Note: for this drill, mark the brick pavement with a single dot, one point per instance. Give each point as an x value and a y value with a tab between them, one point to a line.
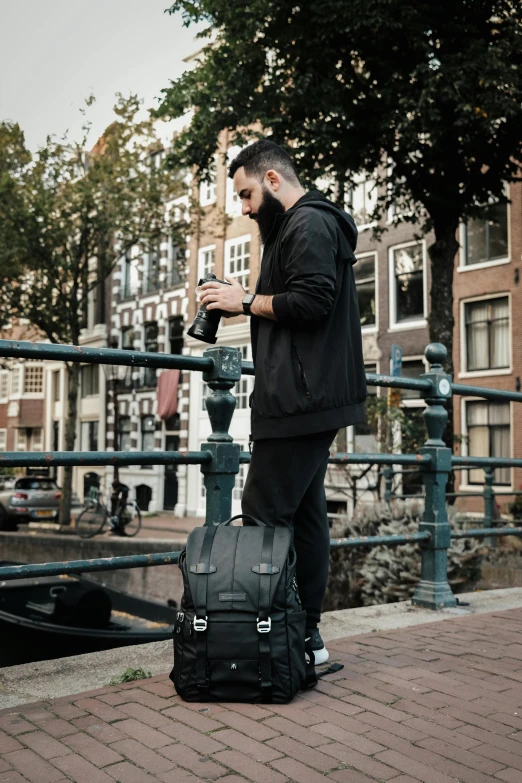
435	703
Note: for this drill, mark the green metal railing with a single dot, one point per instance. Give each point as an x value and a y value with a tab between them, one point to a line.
220	458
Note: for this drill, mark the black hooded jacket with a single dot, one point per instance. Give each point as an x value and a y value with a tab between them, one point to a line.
309	369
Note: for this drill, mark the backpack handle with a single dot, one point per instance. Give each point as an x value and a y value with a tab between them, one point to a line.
243	516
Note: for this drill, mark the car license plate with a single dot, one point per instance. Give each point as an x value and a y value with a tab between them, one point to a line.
44	513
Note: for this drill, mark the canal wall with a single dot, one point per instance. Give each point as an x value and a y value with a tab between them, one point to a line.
158	582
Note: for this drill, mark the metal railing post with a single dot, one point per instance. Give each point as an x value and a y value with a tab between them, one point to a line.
433	590
489	499
220	472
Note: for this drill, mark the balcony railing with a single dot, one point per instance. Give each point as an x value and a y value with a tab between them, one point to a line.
220	458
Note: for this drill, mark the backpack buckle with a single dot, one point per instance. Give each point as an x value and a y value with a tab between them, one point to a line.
264	626
200	624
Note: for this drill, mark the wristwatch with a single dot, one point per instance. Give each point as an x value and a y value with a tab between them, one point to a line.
247	302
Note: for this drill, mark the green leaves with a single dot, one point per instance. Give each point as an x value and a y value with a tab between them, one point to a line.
69	212
129	675
352	86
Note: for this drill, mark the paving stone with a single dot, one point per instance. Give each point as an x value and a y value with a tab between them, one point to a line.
80	770
91	749
250	769
32	767
144	734
143	756
125	772
47	747
199	765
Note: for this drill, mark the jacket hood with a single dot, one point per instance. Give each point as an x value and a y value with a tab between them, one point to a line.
316	199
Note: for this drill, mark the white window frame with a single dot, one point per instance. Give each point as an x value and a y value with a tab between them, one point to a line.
17	372
247	381
233	205
350	430
372	329
4	385
37	443
464	373
362	180
21	443
463	267
414	403
465	486
238	275
208	190
33	395
3	439
202	270
420	323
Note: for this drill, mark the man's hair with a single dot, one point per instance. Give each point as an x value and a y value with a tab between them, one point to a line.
260	157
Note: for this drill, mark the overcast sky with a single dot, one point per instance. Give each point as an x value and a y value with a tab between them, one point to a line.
54	53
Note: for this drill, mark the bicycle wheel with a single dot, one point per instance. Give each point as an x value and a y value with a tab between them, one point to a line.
131	519
91	520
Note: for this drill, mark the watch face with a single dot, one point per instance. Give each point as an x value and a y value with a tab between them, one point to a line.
248	299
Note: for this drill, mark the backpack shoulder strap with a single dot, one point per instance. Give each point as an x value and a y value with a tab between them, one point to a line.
203	570
263	619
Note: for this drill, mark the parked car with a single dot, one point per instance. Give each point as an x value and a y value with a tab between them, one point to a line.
32	498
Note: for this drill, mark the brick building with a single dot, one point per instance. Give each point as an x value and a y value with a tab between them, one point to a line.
21	399
226	243
148	313
487	351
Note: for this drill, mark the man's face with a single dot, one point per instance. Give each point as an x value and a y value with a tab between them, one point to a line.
258	201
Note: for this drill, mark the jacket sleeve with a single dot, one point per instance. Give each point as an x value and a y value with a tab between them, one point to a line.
309	251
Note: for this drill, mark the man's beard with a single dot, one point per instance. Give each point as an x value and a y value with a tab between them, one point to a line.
269	209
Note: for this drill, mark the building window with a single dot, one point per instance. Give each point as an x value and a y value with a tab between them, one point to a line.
237	260
489	435
233	202
3	439
33	379
127	338
206	261
21	439
407	271
486	239
151	346
37	439
4	384
148	428
90	374
243	388
487	334
152	281
16	381
177	263
89	435
361	200
124	427
364	272
55	382
412	368
176	334
207	190
237	492
366	434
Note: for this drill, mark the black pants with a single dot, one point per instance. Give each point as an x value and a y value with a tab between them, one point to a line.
285	486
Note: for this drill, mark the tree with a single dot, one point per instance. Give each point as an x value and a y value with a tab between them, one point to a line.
67	216
425	101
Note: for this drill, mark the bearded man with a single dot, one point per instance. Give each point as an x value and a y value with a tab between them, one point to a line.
307	353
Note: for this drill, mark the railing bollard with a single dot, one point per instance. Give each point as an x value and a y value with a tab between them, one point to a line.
489	499
433	590
388	483
220	472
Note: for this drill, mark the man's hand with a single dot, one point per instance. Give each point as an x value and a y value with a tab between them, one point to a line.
228	298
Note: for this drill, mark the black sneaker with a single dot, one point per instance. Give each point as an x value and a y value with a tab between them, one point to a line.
314	643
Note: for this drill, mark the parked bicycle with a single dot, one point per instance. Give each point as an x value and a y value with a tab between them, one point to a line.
124	518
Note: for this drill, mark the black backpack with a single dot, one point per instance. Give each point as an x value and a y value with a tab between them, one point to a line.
240	633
